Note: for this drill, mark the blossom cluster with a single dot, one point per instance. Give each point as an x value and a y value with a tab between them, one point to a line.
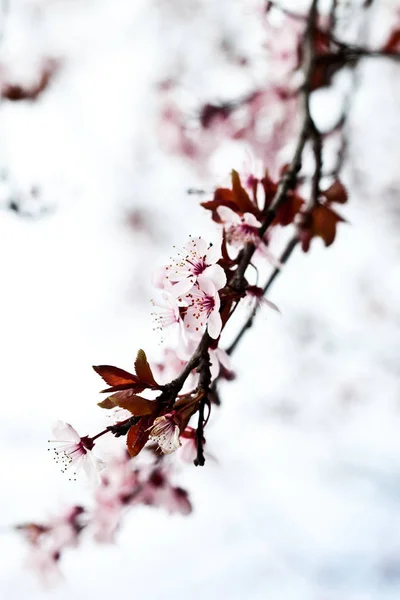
121	486
163	408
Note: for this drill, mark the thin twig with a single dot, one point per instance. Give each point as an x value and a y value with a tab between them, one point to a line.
249	322
308	131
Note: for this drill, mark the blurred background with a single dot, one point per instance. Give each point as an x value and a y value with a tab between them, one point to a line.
301	498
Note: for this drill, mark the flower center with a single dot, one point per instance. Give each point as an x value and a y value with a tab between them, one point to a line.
198	267
208	303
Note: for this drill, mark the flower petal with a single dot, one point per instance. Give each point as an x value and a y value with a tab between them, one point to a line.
228	216
198	245
208	286
64	432
250	219
214	324
182	287
216	274
213	254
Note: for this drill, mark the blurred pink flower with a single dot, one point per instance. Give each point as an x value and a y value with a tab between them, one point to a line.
218	357
239	229
157	491
118	484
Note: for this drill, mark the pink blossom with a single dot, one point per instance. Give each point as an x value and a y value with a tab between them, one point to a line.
106	521
218	357
174	361
243	229
75	451
118	480
64	528
188	451
167	313
252	172
239	229
48	542
203	310
118	484
165	431
157	491
45	562
196	263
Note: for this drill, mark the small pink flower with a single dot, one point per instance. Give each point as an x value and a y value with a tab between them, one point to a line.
167	310
252	171
118	480
188	453
218	357
167	315
157	491
118	484
75	451
45	563
48	541
239	229
244	229
196	263
165	431
203	310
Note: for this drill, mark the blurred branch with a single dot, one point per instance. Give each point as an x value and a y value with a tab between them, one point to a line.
249	322
308	132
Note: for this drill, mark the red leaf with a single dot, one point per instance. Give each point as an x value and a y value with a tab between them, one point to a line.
322	40
270	188
137	405
107	403
138	435
222	197
393	43
240	196
143	370
322	223
288	210
134	387
336	193
237	199
115	376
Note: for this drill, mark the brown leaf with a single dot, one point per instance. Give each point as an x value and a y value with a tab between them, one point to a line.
240	196
270	188
222	197
107	403
115	376
288	210
336	193
137	405
322	223
325	222
138	435
393	43
143	370
119	379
